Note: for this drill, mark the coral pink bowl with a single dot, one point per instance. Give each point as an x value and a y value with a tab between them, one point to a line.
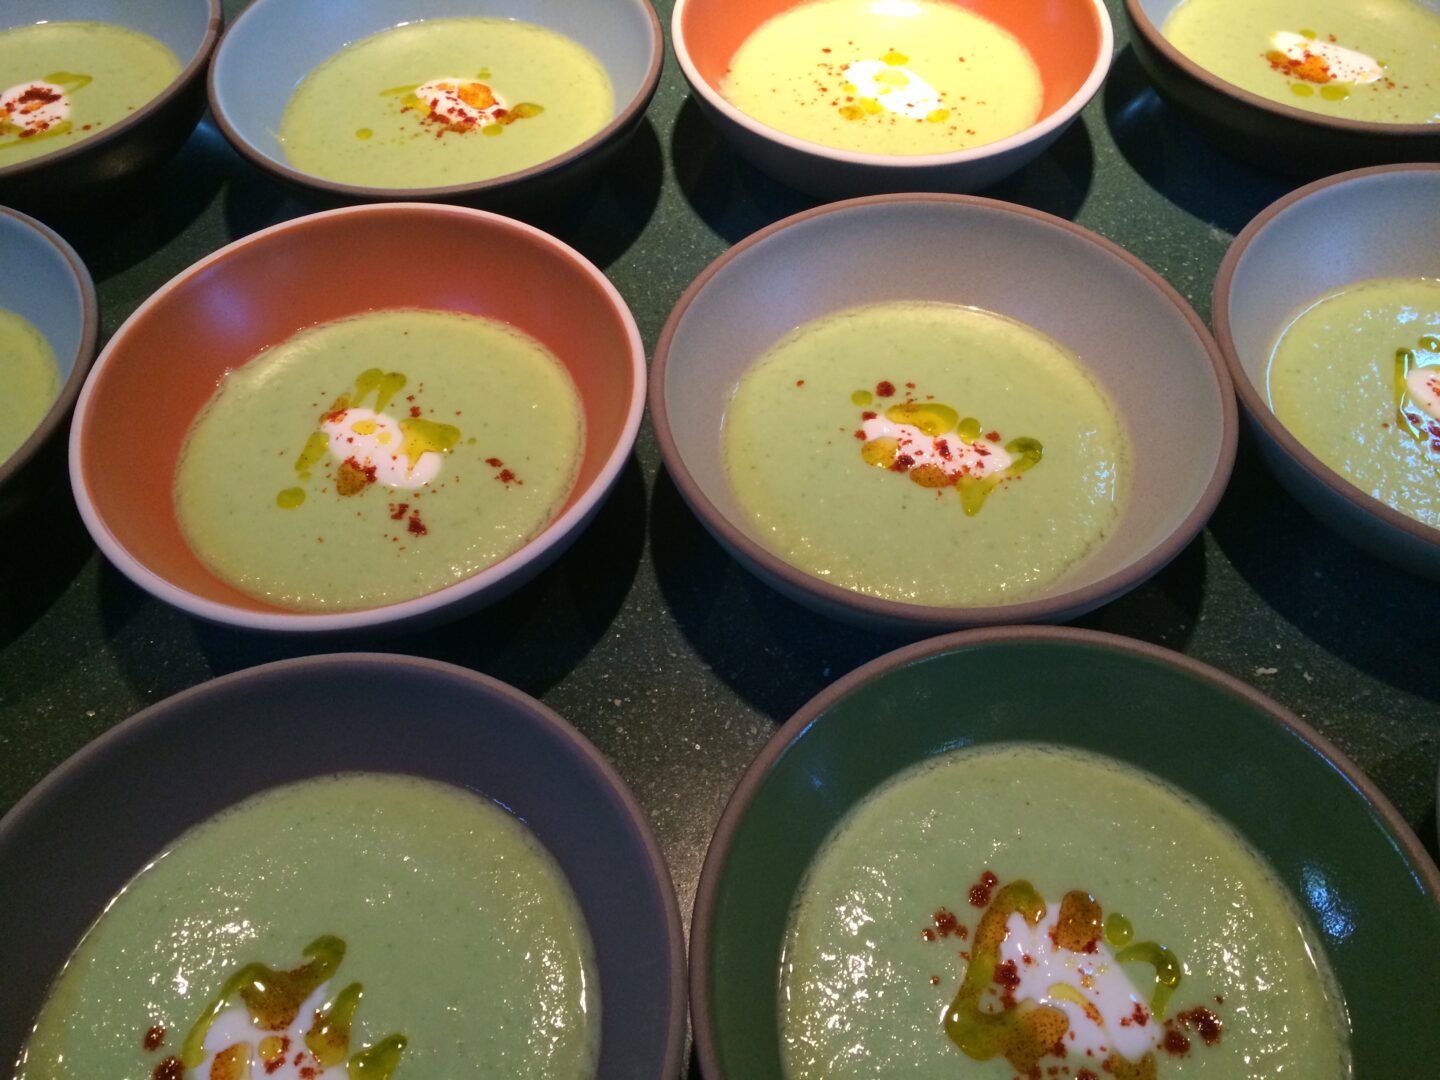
165	362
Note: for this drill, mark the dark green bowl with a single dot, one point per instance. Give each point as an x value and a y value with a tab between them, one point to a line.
1350	860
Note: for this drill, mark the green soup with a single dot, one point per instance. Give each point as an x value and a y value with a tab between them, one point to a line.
1377	61
61	82
468	943
921	77
30	379
1009	908
445	101
1355	377
378	458
927	453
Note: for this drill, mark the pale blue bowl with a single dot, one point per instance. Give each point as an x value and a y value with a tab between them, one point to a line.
274	44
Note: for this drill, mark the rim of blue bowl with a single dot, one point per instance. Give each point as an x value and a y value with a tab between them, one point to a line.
118	129
1175	58
92	756
1046	126
64	403
706	1042
618	125
925	617
1255	404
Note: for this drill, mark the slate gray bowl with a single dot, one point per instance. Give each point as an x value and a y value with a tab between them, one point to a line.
274	44
45	282
148	135
1131	330
1377	222
1278	137
70	844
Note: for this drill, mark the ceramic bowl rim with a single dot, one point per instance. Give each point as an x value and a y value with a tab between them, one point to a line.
617	125
1335	124
58	778
1037	131
64	402
789	733
1250	397
1082	598
556	532
127	123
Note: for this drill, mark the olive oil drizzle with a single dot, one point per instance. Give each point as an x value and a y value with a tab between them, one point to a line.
1407	360
69	82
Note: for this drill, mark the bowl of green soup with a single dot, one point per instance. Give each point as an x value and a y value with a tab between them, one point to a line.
362	865
92	91
915	412
1054	852
854	97
378	415
483	100
1327	308
1299	85
48	326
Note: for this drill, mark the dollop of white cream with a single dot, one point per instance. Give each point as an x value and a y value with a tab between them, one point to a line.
1345	65
1114	1015
36	114
375	439
442	96
895	87
950	452
233	1026
1424	386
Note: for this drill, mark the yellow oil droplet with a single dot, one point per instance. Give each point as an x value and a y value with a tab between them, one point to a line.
969	429
1308	35
938	116
363	133
385	384
315	449
401	91
493	130
892	78
426	436
290	498
526	109
871	106
930	417
1118	930
1301	89
862	397
1335	91
894	59
69	81
1430	343
852	112
364	427
848	87
383	438
880	452
483	73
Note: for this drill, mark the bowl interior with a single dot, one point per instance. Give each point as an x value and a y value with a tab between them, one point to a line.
1381	224
1157	11
276	43
166	362
180	24
1344	866
38	283
1063	37
1159	372
199	748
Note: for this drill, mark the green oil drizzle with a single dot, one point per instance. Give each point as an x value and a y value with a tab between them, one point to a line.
378	1062
1118	930
1167	970
329	1038
313	452
385	384
290	498
1406	360
426	436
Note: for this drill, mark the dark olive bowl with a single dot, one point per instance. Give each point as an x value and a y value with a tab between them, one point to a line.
43	281
1370	223
1351	862
70	844
1278	137
148	135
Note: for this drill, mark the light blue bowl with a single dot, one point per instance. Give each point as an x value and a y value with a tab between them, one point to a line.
152	132
274	44
44	281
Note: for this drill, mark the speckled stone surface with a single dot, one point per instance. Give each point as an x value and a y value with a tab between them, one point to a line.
646	636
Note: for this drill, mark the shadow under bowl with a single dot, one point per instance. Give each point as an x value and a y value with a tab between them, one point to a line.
275	44
149	135
1272	135
1356	869
64	852
43	281
1070	41
169	357
1163	374
1377	222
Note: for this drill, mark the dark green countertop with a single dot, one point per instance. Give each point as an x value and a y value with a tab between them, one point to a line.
646	636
